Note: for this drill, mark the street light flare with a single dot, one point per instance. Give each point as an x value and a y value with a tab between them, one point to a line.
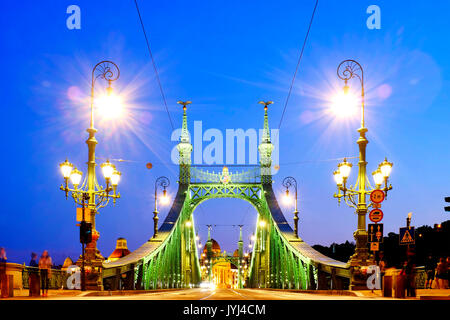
344	105
110	106
287	200
165	198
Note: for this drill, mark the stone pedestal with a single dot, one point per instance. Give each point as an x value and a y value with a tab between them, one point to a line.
93	264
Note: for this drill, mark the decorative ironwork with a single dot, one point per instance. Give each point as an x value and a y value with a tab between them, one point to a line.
200	192
58	279
106	70
250	175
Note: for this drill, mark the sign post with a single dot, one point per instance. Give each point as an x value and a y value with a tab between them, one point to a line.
407	236
376	215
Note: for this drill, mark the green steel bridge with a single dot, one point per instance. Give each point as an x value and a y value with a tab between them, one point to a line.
280	259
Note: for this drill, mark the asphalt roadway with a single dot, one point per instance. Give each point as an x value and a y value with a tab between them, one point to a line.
216	294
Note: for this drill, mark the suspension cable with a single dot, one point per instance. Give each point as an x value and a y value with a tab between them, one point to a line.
154	65
298	64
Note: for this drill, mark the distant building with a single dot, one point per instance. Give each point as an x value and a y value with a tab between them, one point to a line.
224	270
67	263
120	251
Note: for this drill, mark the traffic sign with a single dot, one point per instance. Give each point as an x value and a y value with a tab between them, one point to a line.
374	246
375	232
376	215
87	214
377	196
376	205
407	236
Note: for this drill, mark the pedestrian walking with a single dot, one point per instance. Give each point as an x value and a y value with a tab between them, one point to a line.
408	271
45	266
448	273
382	266
430	269
441	273
3	278
33	276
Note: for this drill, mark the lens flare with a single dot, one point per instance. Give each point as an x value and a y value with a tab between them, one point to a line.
344	105
109	106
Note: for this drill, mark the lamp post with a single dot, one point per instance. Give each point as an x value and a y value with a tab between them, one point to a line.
287	183
164	183
263	277
355	197
96	196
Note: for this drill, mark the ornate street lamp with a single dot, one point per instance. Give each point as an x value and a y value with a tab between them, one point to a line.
287	183
162	182
355	197
89	190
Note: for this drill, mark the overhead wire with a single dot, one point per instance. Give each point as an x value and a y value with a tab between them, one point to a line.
154	66
298	63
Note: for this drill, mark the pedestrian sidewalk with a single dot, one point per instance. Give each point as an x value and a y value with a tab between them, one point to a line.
23	294
422	294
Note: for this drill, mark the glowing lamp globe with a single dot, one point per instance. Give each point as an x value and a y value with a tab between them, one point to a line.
109	106
378	177
115	178
386	168
165	197
287	198
345	168
75	177
107	169
338	177
344	105
66	169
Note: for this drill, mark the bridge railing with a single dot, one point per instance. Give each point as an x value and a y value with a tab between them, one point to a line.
57	280
225	174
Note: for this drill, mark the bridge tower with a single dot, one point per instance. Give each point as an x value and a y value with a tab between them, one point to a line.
209	253
265	148
184	148
241	256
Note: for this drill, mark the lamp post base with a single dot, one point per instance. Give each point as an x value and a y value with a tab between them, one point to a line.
93	264
359	262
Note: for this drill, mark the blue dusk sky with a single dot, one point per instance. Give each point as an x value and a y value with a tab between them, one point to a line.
224	56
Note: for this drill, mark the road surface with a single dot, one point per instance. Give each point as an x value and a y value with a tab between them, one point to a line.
216	294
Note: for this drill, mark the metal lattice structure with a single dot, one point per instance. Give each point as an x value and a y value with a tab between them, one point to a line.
279	259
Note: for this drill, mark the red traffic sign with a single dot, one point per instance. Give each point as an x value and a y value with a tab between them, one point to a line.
376	215
374	246
377	196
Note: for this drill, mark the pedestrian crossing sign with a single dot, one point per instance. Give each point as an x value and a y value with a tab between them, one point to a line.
406	235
